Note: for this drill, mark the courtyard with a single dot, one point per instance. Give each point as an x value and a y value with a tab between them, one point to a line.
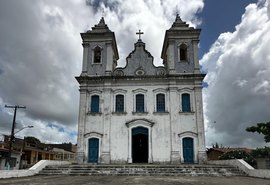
133	180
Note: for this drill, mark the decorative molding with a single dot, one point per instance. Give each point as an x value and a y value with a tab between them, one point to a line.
188	133
92	92
118	72
140	90
138	122
93	134
161	72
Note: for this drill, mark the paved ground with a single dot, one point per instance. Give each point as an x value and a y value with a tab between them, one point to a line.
132	180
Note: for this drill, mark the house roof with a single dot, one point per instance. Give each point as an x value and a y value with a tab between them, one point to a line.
225	150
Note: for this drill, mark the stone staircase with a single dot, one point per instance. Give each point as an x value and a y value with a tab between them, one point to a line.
142	170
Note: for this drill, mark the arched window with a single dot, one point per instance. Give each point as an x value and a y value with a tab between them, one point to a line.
97	55
139	103
95	103
183	52
185	102
119	103
160	102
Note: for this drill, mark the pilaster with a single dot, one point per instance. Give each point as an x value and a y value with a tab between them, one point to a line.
200	124
81	127
85	57
105	157
195	56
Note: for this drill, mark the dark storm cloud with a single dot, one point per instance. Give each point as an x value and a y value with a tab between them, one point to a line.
35	62
97	5
41	53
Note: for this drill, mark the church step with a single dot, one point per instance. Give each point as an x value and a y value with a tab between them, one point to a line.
143	170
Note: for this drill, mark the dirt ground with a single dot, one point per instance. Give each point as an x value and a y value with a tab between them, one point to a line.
133	180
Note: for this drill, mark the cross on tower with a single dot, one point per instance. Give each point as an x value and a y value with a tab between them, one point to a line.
103	14
139	33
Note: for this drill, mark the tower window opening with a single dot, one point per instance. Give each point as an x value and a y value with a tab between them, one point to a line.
97	55
183	52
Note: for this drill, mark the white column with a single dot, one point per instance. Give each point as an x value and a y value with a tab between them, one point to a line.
174	120
81	125
85	57
195	56
171	57
150	157
200	123
109	58
129	145
105	157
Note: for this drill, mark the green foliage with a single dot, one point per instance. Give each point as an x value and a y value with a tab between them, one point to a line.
261	128
238	155
31	139
261	152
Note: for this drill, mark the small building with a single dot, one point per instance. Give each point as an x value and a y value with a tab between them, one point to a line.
28	151
15	156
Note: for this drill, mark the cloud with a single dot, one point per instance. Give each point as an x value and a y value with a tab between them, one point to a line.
41	53
238	68
125	18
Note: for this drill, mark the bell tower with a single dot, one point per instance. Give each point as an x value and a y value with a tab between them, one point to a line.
180	48
100	52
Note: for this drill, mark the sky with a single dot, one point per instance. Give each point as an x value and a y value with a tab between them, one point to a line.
41	53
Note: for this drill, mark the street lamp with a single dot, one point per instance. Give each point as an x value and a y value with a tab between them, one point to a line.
29	126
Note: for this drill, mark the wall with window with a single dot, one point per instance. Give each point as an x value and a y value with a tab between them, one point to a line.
109	109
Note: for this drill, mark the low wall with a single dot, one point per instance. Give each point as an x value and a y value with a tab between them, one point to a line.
244	166
31	171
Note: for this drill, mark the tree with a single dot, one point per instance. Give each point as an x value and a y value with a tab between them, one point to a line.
261	128
32	140
217	145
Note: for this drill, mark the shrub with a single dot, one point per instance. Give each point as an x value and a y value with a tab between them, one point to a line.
261	152
239	155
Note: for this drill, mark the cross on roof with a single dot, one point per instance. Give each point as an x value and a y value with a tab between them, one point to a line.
103	14
139	33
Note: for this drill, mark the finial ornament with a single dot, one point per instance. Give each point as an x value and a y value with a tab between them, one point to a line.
103	14
177	11
139	33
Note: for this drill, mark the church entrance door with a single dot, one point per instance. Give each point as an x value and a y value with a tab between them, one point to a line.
93	148
188	151
139	145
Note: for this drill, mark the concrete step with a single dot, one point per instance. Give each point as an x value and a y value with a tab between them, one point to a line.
143	170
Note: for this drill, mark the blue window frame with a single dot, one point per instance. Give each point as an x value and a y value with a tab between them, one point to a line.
186	103
119	103
139	103
95	103
160	101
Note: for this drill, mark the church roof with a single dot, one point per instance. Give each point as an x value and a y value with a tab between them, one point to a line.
179	24
101	27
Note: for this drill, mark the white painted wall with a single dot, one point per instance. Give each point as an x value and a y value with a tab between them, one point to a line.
241	164
165	132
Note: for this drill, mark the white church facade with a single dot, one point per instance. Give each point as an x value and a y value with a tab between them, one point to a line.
141	113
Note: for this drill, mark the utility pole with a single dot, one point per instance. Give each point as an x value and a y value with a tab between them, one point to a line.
15	107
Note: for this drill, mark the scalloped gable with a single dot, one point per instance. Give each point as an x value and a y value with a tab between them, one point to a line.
140	63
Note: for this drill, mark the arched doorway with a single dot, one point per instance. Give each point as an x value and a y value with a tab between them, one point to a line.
93	149
140	145
188	150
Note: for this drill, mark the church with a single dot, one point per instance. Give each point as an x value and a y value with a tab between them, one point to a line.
141	113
